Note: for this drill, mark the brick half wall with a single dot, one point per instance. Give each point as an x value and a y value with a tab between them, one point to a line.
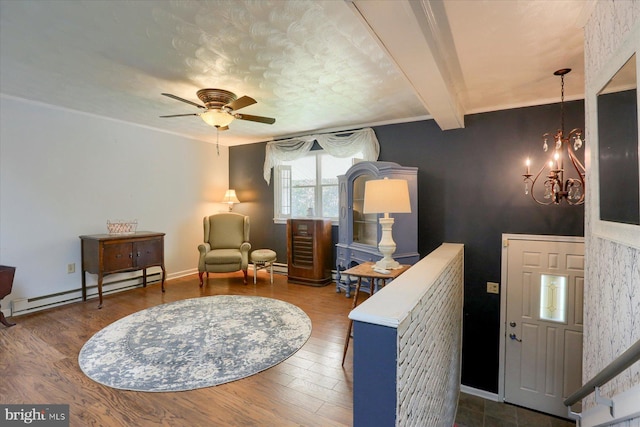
408	345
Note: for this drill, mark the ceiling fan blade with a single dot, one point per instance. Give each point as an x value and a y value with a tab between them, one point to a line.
243	101
179	115
260	119
177	98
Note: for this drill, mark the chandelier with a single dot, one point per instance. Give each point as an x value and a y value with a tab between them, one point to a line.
556	187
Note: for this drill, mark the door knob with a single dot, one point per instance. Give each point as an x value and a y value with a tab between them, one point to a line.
512	324
514	337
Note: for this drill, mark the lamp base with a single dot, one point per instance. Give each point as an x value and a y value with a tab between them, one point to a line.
386	246
386	264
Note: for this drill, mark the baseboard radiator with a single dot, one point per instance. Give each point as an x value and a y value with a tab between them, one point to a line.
407	343
278	268
114	283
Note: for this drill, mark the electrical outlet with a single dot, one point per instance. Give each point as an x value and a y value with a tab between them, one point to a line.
493	288
71	268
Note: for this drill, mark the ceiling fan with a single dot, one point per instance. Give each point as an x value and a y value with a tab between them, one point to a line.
220	108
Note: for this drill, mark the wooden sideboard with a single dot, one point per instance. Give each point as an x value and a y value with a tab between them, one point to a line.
104	254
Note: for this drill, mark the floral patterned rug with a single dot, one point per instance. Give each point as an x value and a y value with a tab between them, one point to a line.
195	343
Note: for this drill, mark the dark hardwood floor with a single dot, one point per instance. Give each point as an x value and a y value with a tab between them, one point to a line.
39	363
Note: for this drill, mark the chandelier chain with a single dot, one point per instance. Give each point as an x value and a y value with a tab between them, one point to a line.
562	104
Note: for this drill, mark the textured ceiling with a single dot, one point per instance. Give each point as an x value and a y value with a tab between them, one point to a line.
313	65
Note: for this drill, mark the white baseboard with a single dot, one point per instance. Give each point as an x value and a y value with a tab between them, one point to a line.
184	273
479	393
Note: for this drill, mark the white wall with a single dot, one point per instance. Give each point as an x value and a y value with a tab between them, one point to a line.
612	286
64	174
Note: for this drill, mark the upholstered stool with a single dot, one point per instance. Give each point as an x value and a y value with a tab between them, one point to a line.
262	258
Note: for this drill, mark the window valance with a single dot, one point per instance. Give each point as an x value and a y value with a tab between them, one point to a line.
339	144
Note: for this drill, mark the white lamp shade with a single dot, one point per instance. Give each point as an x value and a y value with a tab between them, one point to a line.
386	196
230	197
216	117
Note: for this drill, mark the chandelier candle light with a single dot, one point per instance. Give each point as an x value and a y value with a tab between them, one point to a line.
230	198
556	187
386	196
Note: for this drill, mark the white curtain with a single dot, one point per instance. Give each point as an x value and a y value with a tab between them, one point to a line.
339	144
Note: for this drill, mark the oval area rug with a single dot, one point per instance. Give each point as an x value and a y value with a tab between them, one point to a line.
194	343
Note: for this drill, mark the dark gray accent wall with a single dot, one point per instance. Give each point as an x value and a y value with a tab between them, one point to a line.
470	191
246	163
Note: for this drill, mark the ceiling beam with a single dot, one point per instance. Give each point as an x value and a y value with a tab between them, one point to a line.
416	36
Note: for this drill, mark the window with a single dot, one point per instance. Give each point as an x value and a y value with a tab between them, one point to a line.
553	298
308	186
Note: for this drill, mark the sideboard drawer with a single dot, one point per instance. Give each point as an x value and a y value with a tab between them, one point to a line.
117	257
148	253
362	257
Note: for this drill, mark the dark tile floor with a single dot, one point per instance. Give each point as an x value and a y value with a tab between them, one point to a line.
475	411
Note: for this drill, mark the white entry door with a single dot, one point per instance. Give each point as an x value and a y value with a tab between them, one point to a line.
543	327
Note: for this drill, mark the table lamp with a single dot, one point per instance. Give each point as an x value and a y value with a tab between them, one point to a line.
386	196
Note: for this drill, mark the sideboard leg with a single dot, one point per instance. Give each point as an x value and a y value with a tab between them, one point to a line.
100	290
84	285
4	320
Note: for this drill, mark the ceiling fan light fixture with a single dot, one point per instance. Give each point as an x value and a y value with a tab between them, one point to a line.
217	118
220	107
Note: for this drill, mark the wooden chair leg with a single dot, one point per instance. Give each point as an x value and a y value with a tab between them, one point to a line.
255	272
200	273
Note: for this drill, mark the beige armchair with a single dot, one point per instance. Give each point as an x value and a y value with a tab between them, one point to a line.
226	245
